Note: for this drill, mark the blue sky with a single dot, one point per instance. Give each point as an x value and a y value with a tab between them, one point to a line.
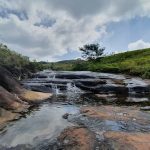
125	32
53	30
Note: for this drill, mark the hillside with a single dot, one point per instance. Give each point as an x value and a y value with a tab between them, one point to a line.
132	62
20	66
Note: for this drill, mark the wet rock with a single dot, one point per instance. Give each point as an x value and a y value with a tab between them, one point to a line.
90	82
146	108
105	96
6	116
124	141
11	101
104	88
118	81
115	113
8	82
137	85
140	89
65	116
73	76
38	88
137	100
76	138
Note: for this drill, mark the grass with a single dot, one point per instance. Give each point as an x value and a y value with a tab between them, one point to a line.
135	63
132	62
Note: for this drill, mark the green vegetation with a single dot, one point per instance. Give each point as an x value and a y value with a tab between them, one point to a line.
91	51
132	62
18	64
66	65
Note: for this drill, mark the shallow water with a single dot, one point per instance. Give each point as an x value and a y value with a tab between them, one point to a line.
45	122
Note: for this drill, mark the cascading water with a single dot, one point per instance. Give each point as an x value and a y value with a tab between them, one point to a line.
72	88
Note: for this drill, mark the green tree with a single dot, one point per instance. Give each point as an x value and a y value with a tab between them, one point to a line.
91	51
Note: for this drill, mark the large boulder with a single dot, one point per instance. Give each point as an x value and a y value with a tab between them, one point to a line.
8	82
11	101
34	97
6	116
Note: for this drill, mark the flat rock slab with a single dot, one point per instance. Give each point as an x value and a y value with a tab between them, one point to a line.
32	96
76	138
126	141
114	113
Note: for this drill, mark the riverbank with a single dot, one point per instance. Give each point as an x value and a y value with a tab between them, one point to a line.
14	99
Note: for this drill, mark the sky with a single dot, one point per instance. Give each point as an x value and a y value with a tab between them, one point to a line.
52	30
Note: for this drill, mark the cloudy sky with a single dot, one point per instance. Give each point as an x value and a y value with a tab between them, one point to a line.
54	29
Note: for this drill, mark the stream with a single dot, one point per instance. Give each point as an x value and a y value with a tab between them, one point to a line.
40	127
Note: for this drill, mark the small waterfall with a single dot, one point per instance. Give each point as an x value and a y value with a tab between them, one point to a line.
55	89
72	88
51	75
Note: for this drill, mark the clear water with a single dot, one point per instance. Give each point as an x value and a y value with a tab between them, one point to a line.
45	122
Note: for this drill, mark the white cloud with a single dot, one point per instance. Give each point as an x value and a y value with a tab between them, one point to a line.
76	22
140	44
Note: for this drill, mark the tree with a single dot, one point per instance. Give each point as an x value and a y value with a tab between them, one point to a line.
92	51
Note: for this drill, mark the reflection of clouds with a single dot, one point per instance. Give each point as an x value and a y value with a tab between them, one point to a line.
45	123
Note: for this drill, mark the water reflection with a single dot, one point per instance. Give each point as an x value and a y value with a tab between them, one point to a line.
44	123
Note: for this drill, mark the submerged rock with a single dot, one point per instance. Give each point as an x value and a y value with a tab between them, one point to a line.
65	116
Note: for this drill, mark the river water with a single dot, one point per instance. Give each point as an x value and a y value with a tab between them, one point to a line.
45	122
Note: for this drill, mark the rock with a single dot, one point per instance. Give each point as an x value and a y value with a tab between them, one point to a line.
124	141
76	138
140	89
73	76
105	96
115	113
104	88
6	116
90	82
8	82
137	100
34	97
11	101
65	116
147	108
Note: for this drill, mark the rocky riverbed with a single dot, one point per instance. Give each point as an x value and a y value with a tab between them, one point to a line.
86	110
